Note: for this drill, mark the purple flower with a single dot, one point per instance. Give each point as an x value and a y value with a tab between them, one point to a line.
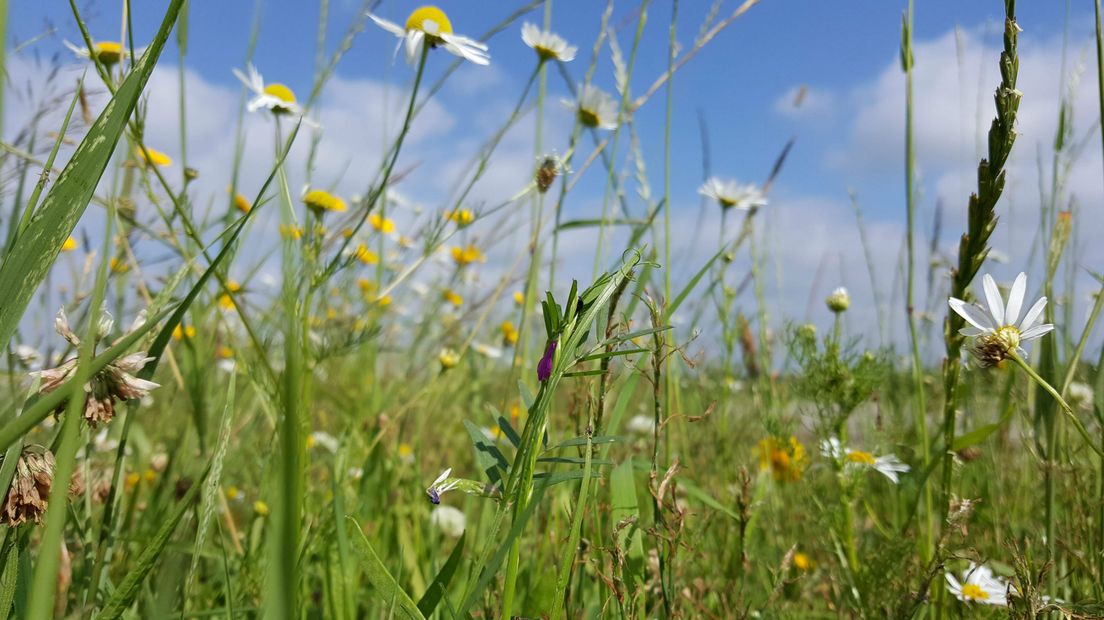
544	367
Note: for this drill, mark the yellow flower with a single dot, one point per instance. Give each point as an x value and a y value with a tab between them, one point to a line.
155	158
132	480
802	562
69	245
462	217
448	358
405	241
369	289
260	508
180	332
119	266
453	298
242	203
107	52
784	459
858	456
346	232
149	475
321	201
406	452
291	232
366	256
467	255
383	224
225	301
515	411
509	333
232	492
225	352
519	298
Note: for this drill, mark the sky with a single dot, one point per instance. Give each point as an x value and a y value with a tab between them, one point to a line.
848	132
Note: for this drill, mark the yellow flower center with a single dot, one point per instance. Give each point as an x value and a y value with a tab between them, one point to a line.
858	456
801	561
467	255
107	52
588	117
281	92
69	245
453	298
321	201
366	256
1008	336
974	592
382	224
430	20
405	450
242	203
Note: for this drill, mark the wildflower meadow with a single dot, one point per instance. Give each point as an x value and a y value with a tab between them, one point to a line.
552	309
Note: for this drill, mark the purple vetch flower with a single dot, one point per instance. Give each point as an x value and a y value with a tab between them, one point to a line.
544	367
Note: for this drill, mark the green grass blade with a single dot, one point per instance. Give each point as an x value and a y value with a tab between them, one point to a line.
439	587
388	589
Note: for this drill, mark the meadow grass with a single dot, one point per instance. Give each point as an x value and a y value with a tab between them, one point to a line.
377	432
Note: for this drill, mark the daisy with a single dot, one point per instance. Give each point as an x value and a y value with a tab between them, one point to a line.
548	45
430	24
107	52
979	586
594	107
276	97
888	465
731	193
996	334
839	300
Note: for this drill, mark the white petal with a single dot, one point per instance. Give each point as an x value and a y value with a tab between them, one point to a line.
1034	332
973	315
413	45
970	332
1033	314
993	298
1015	299
391	27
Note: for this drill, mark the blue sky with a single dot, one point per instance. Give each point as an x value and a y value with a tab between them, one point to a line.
848	133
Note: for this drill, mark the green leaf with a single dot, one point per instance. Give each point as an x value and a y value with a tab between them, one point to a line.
582	441
439	587
487	455
974	437
127	591
388	589
30	258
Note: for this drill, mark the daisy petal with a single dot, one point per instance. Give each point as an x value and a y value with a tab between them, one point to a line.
973	315
1033	314
1015	299
391	27
413	45
993	298
1034	332
971	332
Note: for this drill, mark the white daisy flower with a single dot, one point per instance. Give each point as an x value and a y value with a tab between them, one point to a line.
979	586
1080	396
548	45
323	440
888	465
996	333
107	52
594	107
275	97
839	300
429	24
487	350
731	193
641	424
449	520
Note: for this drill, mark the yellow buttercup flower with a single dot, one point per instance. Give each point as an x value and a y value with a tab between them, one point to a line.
509	333
802	562
462	217
366	256
519	298
785	459
242	203
383	224
453	298
321	201
69	245
180	332
154	157
463	256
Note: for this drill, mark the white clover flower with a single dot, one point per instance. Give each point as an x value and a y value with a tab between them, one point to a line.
548	45
642	424
979	586
730	193
594	107
996	333
449	520
888	465
429	24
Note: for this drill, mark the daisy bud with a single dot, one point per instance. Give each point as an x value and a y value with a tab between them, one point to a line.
838	301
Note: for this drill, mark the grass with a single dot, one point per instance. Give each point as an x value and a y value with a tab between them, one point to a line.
381	432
